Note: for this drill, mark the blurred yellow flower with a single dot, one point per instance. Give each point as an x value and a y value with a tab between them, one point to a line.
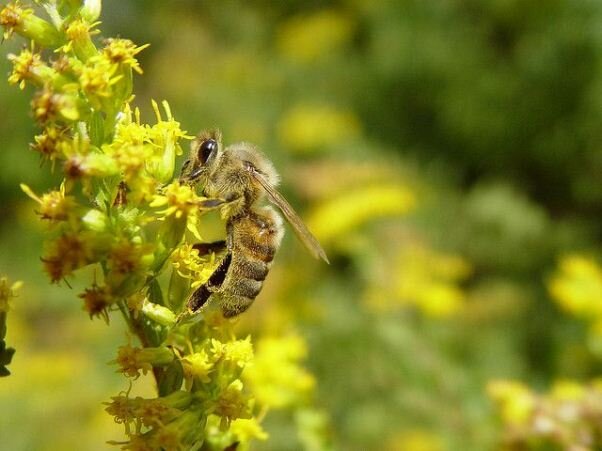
515	400
577	286
422	278
414	440
307	128
307	38
276	377
566	418
342	214
567	390
428	279
246	430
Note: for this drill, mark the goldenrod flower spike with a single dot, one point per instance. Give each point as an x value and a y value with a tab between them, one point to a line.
120	213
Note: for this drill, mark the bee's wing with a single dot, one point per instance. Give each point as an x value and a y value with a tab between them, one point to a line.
306	237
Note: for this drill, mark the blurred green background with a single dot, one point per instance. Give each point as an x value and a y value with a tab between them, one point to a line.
446	153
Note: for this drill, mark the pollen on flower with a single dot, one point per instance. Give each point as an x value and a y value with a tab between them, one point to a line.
179	200
12	16
125	257
131	159
55	205
233	403
246	430
197	365
50	106
124	51
79	30
167	438
188	264
122	408
67	253
131	362
239	352
98	76
50	142
96	300
28	66
155	412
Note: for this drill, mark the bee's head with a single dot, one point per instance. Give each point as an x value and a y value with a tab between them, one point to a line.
203	154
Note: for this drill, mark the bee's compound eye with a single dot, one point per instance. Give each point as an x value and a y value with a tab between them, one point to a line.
206	149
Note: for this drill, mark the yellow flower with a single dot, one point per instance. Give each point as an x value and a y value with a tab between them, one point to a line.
239	352
246	430
164	136
515	400
126	257
179	200
51	142
415	440
67	253
22	20
123	51
186	261
29	66
420	277
197	365
79	34
49	106
122	408
342	214
276	376
232	402
155	412
132	361
316	127
96	300
577	286
306	38
97	79
566	390
55	205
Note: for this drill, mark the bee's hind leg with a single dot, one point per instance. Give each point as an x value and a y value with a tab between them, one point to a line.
208	248
202	294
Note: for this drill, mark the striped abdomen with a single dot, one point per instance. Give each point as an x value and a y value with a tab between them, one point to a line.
253	238
252	241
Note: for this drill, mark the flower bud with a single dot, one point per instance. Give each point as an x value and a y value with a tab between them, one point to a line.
90	12
159	314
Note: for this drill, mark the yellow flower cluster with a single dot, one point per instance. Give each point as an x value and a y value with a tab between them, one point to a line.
120	212
276	376
577	288
425	279
565	418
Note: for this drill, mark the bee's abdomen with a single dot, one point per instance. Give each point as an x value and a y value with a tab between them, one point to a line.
255	238
255	270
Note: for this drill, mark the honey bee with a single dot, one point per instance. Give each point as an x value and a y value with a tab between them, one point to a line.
237	179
